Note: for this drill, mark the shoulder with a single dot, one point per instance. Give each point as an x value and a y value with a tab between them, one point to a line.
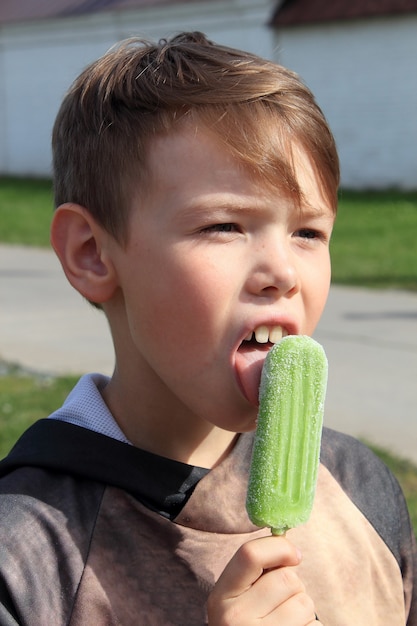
47	520
342	454
48	500
371	486
357	469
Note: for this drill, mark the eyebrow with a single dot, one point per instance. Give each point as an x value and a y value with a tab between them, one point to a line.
212	208
309	210
234	207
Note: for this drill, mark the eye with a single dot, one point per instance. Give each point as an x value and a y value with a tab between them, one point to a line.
227	227
310	234
307	233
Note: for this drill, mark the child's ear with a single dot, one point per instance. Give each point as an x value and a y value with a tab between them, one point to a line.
80	244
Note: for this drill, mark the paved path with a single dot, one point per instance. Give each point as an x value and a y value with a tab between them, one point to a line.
370	338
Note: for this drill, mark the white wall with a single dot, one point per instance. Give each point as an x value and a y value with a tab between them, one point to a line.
364	75
39	60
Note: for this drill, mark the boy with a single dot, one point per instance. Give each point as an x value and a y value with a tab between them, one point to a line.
196	189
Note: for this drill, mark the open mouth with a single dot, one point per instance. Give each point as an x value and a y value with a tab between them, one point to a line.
251	355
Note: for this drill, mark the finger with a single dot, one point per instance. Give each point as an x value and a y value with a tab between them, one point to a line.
273	588
251	561
298	609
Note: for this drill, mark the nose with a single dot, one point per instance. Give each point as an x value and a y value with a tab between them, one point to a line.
274	270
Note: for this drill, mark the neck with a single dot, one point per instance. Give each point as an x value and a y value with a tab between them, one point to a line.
170	432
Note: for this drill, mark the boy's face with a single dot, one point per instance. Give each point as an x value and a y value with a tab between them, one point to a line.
213	256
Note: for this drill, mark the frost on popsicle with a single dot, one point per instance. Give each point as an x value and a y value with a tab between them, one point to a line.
286	452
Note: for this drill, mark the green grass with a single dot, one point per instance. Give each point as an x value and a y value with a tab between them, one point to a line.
25	211
374	240
25	398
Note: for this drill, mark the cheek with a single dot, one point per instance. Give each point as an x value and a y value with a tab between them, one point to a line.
316	290
178	304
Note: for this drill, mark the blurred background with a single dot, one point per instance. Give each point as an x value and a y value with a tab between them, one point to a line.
358	56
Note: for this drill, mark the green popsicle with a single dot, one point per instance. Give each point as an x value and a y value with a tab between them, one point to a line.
286	452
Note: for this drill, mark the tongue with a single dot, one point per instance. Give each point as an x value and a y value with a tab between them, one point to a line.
249	362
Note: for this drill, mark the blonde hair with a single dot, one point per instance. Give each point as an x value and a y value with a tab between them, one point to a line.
139	89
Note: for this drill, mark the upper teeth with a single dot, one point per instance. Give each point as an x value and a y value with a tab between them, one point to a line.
263	334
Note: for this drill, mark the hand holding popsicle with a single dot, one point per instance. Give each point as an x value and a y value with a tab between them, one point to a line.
260	586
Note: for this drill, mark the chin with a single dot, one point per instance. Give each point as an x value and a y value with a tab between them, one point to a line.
248	424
